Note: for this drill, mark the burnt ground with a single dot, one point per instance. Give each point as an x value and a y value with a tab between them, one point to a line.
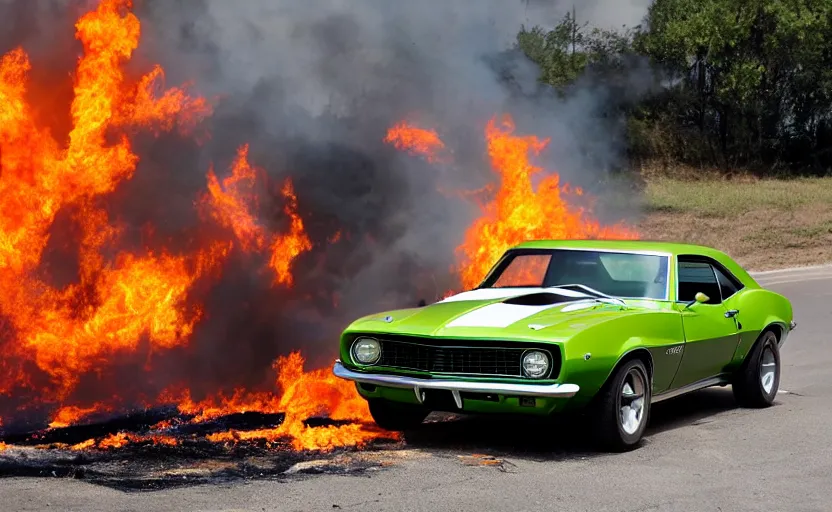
146	464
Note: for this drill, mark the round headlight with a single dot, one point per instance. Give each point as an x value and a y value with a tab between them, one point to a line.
366	351
535	364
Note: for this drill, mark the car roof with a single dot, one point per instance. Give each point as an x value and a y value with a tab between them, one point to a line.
621	245
672	248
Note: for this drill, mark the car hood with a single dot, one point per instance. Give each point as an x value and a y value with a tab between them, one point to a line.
502	312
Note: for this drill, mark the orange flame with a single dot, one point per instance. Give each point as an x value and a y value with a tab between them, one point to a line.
66	416
287	247
308	394
415	140
114	441
298	394
518	211
231	203
68	330
122	439
123	302
85	445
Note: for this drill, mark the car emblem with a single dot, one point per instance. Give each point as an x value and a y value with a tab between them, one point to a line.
388	319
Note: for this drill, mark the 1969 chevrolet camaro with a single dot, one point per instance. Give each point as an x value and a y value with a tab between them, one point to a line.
604	327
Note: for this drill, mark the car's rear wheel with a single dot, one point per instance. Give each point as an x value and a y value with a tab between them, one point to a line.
758	379
623	407
396	416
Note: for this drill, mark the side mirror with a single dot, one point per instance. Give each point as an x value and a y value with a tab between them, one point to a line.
698	298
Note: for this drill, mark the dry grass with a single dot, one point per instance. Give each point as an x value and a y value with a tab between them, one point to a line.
763	223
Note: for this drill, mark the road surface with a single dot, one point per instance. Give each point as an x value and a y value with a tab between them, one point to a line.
700	453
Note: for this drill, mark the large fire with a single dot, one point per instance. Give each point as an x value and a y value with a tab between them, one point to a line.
516	211
140	302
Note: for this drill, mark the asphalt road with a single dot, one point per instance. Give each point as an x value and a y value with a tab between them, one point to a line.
701	453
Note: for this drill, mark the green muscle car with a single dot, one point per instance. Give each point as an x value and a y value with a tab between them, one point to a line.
604	327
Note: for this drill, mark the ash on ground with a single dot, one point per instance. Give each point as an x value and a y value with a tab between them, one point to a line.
181	455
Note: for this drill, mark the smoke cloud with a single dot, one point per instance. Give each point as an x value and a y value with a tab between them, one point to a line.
603	14
313	87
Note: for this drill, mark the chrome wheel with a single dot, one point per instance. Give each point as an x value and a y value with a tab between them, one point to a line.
768	370
757	380
631	408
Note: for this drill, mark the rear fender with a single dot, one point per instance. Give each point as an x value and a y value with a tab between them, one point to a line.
760	309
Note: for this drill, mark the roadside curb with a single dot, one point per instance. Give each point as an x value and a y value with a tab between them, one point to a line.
793	275
792	270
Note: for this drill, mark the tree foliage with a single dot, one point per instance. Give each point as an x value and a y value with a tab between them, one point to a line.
745	82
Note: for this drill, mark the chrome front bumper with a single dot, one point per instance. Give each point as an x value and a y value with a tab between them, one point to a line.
456	386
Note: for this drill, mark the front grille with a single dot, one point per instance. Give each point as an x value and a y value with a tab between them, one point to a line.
498	361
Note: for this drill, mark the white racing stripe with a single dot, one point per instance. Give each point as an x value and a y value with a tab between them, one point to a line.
505	293
498	315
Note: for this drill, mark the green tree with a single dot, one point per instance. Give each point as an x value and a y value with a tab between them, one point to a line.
747	82
753	76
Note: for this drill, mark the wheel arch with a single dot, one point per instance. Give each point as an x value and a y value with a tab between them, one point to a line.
775	326
778	327
635	353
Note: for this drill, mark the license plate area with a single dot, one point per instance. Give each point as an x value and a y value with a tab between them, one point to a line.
439	400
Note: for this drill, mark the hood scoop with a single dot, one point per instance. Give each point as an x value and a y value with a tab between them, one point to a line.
539	299
511	310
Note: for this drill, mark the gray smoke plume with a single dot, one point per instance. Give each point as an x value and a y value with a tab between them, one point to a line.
313	86
603	14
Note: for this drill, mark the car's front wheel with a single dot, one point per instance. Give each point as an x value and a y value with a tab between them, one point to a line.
757	381
623	407
396	416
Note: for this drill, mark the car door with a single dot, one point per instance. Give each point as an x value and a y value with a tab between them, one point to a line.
711	336
730	288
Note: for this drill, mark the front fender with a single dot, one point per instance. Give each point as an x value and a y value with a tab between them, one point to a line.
592	354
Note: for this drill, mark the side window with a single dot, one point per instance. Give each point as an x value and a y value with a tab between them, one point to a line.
695	277
728	283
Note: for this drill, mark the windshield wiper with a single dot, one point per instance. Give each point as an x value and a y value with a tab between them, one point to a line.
599	296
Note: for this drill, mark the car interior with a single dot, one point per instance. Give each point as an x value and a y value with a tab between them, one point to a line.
589	269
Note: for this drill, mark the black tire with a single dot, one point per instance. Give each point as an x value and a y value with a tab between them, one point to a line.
749	389
606	416
396	416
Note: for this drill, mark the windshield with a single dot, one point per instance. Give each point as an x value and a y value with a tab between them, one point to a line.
619	274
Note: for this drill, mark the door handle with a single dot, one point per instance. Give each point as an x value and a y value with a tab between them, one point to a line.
731	313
